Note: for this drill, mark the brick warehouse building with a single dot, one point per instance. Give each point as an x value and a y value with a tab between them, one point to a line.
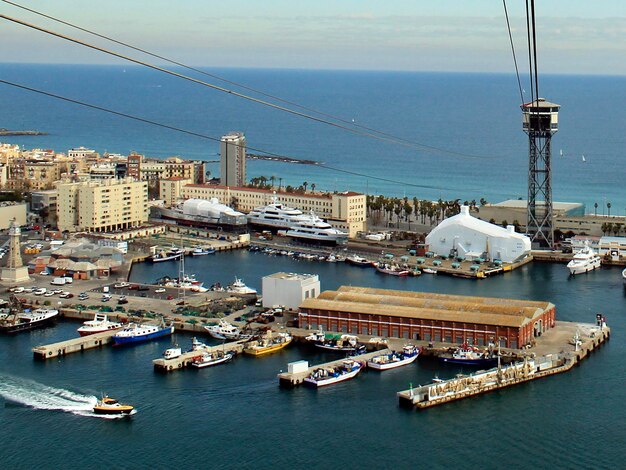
428	317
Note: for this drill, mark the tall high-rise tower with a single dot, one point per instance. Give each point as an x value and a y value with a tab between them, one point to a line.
15	271
540	120
233	159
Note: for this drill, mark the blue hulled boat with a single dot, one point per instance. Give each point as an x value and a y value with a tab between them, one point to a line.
135	333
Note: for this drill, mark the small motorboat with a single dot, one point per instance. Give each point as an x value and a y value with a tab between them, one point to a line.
429	271
110	406
214	358
394	359
327	376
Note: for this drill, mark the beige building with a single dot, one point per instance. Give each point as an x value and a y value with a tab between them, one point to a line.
233	159
33	175
568	216
10	211
170	189
345	211
102	206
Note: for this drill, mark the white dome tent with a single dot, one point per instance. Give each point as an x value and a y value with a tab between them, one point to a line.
468	237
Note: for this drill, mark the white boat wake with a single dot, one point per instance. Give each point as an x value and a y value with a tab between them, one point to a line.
42	397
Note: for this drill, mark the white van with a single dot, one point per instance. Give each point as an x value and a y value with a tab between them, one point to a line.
58	281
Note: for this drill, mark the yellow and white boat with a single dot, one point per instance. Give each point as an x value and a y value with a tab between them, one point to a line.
110	406
268	344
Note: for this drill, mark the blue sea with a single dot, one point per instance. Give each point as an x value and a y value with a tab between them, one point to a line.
236	415
476	115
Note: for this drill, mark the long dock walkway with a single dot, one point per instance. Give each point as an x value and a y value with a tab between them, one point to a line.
74	345
440	392
185	359
293	379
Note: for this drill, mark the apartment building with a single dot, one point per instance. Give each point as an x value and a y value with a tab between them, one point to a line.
345	211
102	206
32	175
170	189
233	159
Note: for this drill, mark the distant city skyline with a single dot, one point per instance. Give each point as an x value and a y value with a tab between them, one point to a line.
452	35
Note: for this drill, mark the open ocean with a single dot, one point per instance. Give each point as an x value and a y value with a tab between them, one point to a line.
236	416
475	114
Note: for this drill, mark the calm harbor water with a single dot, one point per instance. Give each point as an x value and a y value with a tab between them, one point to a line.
236	416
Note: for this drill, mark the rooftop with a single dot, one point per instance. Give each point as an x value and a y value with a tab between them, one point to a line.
427	306
292	276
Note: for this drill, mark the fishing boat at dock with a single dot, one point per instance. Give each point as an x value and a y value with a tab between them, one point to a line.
324	376
394	359
213	358
199	251
174	253
136	333
239	288
99	324
359	261
392	270
469	356
268	343
15	321
337	343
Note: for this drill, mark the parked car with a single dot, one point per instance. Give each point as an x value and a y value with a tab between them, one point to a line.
17	290
159	290
106	297
40	291
122	301
143	288
170	297
66	295
44	273
83	296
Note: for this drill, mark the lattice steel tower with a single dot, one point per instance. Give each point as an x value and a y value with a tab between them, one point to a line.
540	120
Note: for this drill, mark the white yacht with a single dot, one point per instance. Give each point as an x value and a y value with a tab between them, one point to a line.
584	261
238	287
225	330
312	228
275	215
99	324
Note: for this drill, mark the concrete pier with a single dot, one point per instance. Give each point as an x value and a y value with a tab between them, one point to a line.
185	359
291	380
73	345
531	367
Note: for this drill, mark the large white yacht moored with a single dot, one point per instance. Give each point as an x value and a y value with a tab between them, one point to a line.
313	229
275	215
584	261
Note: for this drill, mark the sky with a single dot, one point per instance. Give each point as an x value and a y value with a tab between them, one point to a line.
574	36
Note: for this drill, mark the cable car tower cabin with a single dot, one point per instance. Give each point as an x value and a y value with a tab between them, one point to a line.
540	120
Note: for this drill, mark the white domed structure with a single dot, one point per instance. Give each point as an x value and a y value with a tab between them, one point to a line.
469	237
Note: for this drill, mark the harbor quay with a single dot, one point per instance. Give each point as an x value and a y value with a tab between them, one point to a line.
585	340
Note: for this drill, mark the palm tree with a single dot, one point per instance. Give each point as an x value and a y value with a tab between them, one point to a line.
313	187
608	206
604	228
483	201
595	206
304	185
273	180
280	183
